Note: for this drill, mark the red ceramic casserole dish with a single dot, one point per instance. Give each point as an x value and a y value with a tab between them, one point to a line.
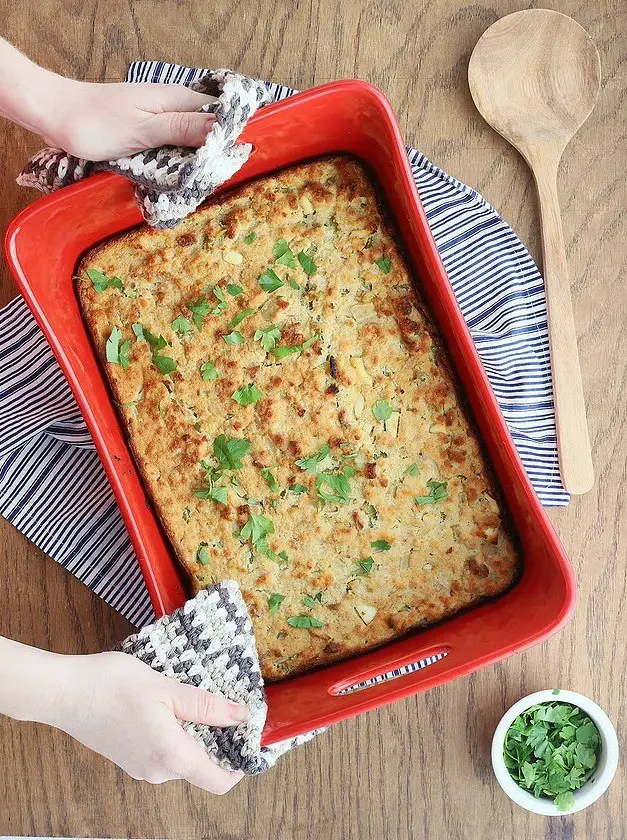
43	246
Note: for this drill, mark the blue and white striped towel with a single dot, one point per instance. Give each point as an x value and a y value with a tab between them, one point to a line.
53	487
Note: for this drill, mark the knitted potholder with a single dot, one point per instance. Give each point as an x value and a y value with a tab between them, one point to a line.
209	643
173	180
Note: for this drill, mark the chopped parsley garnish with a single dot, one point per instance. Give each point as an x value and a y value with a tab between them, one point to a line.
200	309
551	750
116	353
270	281
268	336
310	602
164	364
234	337
382	410
101	281
291	282
283	254
202	555
412	469
138	330
156	342
275	601
181	325
239	318
282	352
307	264
248	395
339	488
297	488
234	290
208	371
304	622
250	238
223	303
230	451
269	479
364	567
380	545
437	493
256	530
384	264
310	464
215	494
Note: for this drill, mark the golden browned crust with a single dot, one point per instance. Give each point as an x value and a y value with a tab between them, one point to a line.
415	481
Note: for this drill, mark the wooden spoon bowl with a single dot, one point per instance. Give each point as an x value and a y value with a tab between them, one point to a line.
535	76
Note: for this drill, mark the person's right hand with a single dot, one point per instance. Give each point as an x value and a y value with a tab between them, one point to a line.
121	708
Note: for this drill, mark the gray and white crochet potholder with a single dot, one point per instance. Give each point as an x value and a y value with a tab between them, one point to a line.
171	181
209	643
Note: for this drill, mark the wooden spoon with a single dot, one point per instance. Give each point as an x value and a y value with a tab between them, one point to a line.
535	77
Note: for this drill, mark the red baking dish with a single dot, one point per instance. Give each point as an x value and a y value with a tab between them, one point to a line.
43	245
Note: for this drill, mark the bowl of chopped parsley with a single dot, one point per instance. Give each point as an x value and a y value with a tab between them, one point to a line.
555	752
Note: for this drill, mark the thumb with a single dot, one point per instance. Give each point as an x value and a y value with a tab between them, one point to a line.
199	706
177	128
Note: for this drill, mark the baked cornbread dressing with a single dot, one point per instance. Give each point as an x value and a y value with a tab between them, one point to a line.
293	418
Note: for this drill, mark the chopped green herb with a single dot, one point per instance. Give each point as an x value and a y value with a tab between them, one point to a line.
256	530
384	264
307	264
223	303
364	567
250	238
283	254
270	281
208	371
291	282
199	309
283	556
234	290
239	318
215	494
234	337
202	555
551	750
117	353
164	364
381	545
304	622
138	330
340	490
382	410
248	395
310	602
270	479
275	601
310	464
181	325
297	488
412	469
101	281
282	352
437	493
268	336
230	451
156	342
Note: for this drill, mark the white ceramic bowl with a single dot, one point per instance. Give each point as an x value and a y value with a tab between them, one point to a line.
596	785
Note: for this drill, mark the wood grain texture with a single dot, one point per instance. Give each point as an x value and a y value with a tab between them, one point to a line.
418	769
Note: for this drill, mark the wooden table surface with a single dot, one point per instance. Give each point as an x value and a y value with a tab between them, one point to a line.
420	768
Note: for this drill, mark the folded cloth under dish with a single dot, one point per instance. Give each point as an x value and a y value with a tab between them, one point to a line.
173	180
209	643
53	487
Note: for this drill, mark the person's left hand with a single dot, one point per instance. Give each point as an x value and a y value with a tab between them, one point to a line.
113	120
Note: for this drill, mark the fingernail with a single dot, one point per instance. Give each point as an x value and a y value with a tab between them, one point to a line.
237	712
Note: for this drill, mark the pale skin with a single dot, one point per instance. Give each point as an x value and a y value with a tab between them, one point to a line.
110	702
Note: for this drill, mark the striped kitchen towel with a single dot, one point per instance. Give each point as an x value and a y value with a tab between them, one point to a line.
54	489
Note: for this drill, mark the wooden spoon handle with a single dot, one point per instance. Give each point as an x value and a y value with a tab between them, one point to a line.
573	441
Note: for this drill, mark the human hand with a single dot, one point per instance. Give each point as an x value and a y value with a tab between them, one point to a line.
121	708
99	121
109	121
